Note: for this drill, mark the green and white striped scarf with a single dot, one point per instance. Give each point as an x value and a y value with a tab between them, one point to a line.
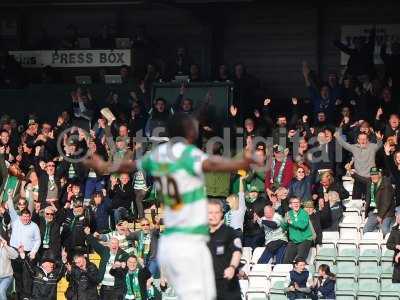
132	285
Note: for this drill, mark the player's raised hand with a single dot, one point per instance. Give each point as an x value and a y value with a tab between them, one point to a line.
267	101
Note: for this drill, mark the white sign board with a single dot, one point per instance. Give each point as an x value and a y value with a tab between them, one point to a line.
72	58
387	33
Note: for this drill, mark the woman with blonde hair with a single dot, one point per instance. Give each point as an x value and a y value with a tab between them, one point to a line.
323	195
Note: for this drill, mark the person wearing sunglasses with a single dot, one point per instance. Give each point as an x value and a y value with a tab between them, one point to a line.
49	231
146	245
300	185
49	182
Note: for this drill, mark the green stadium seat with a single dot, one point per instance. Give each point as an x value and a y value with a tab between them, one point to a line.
387	267
386	281
346	283
346	295
368	287
274	296
321	261
390	292
347	249
252	295
369	267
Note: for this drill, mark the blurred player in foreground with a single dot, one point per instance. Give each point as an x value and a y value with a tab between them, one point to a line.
178	170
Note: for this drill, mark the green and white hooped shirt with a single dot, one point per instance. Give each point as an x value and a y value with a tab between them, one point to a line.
179	179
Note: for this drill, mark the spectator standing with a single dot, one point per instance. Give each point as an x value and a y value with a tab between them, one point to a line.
26	234
364	154
7	254
281	171
133	278
49	231
393	243
226	249
83	279
110	286
147	245
46	276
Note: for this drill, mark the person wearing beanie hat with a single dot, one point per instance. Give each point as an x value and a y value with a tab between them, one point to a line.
46	276
393	243
379	206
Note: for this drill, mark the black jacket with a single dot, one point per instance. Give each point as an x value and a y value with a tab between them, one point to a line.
143	275
55	238
44	183
122	196
82	284
44	285
72	234
384	197
392	242
104	253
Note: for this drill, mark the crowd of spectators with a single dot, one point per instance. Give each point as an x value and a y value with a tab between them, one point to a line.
55	210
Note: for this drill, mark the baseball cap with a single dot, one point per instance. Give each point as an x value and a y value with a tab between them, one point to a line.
32	122
308	204
253	188
278	148
78	202
375	171
120	139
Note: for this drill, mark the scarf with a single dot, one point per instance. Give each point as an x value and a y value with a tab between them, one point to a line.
46	237
10	186
228	218
141	250
52	183
132	285
276	181
374	191
72	224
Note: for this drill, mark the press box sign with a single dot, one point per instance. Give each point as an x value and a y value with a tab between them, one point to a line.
72	58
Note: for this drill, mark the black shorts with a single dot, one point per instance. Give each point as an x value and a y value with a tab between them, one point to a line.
228	289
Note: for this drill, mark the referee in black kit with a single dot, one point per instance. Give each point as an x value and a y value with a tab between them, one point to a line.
226	250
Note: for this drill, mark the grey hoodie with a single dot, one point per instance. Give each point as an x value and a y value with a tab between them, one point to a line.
6	255
364	158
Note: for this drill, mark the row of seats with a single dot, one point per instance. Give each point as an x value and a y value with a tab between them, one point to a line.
266	281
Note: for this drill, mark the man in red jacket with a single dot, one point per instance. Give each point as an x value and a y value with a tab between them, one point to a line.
280	172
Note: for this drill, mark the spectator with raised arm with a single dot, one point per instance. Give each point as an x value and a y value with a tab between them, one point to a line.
361	60
27	234
82	276
364	154
321	98
110	286
46	276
